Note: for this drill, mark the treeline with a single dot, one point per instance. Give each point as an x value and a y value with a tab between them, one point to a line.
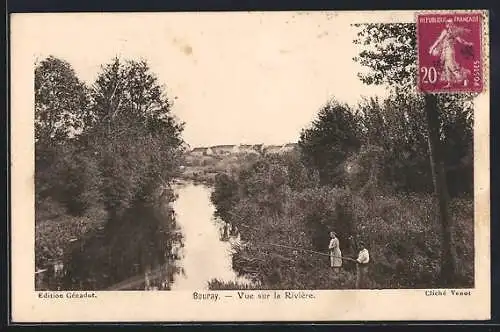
391	136
105	156
363	172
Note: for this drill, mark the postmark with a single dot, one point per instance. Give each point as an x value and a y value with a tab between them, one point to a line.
450	52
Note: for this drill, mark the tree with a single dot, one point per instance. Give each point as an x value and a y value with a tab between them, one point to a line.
134	134
61	110
328	142
396	128
136	143
389	53
61	101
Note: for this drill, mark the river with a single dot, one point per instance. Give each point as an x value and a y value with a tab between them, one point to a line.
204	256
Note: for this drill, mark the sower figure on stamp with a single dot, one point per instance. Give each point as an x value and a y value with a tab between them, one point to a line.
362	265
444	47
335	253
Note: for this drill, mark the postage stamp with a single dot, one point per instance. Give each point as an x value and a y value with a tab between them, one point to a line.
450	52
235	166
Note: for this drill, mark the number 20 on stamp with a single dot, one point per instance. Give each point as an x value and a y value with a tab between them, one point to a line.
450	52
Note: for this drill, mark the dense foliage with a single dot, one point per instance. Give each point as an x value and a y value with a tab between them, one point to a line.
281	222
105	155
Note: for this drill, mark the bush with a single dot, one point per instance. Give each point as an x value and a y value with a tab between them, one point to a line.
52	236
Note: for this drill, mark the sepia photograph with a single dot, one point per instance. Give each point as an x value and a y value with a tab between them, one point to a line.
251	156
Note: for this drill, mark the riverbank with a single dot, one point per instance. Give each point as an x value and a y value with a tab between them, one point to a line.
134	252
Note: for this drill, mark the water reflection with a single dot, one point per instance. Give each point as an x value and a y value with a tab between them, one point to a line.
203	256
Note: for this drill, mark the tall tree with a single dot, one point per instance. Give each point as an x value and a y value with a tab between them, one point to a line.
328	142
136	142
61	110
134	133
389	51
61	100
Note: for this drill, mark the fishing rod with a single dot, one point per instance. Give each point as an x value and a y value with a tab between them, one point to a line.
311	251
303	249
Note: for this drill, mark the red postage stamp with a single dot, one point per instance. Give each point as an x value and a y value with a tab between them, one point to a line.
450	52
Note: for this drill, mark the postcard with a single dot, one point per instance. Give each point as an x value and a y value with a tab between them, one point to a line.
250	166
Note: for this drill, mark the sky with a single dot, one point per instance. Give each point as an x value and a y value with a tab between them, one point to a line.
237	77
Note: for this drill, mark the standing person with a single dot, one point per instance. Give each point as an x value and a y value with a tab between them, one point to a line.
335	253
224	235
234	230
362	265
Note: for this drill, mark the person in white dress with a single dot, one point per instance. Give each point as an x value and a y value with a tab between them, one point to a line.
335	253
